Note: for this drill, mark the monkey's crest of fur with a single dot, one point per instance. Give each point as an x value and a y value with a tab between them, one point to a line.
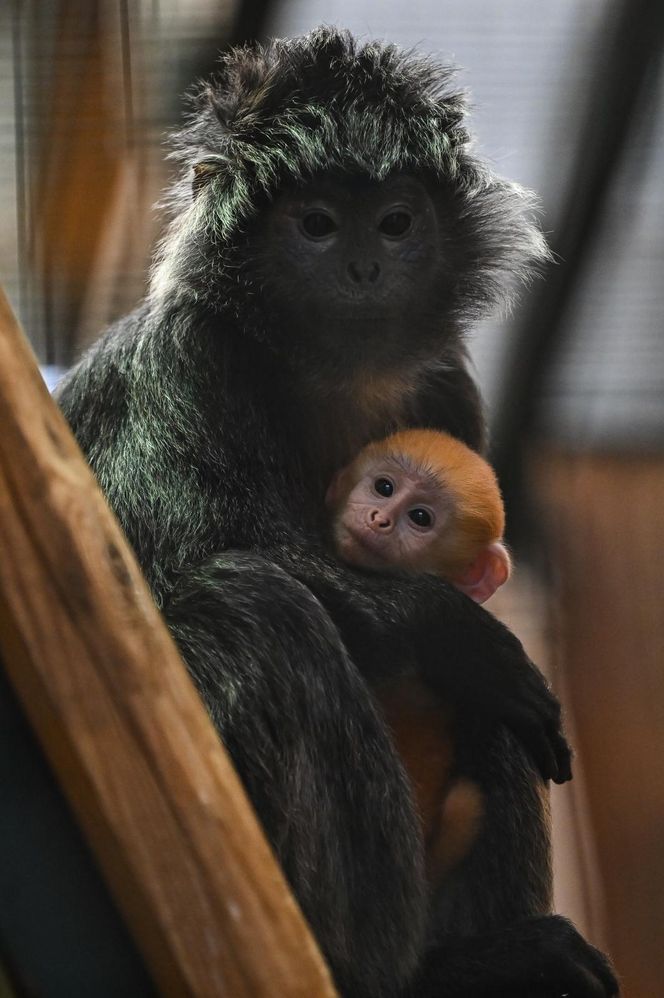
282	113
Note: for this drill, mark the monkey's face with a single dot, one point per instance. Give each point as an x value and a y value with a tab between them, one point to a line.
392	515
353	271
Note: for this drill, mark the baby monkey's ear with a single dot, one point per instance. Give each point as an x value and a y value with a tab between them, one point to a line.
490	569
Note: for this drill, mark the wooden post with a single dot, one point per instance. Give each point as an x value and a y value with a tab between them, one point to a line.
123	727
607	521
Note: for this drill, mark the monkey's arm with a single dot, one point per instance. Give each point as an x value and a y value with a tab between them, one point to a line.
472	660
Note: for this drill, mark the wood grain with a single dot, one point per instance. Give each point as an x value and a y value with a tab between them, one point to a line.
128	737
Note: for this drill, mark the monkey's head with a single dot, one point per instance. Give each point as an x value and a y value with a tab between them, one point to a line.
330	202
422	501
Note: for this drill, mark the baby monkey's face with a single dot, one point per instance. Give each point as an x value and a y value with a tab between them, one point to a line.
394	515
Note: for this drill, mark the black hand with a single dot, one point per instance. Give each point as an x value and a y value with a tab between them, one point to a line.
496	680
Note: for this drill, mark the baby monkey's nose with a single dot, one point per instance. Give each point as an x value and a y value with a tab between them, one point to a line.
378	520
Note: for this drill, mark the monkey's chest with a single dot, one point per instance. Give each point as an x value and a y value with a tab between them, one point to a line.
449	806
338	429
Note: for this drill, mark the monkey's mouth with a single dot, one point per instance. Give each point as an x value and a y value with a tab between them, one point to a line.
371	297
362	547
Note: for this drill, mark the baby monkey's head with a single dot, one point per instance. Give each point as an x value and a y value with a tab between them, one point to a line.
421	500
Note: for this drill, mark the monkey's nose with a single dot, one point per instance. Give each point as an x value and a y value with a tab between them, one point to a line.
378	520
363	273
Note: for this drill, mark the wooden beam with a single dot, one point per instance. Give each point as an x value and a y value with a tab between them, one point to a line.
123	727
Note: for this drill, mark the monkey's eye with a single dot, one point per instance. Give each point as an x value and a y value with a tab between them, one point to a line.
318	224
384	487
395	224
420	517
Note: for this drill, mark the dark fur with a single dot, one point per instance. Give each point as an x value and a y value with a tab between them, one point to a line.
205	438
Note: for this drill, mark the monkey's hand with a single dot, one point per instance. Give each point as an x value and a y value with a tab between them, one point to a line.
389	621
494	678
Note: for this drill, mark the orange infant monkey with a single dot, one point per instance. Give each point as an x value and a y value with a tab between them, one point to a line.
422	501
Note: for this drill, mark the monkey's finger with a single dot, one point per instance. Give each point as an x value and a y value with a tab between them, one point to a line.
544	750
563	755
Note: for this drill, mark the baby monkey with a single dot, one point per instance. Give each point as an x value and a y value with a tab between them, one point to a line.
423	501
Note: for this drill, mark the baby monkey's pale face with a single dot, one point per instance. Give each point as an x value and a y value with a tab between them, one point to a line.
394	516
422	501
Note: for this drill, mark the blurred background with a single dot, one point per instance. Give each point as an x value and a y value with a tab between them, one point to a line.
567	100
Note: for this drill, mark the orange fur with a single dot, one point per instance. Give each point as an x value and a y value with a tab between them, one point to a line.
459	821
464	474
450	809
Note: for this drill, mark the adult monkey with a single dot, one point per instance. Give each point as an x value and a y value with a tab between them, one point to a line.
331	238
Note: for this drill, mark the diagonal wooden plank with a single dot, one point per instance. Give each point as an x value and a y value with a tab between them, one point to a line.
123	726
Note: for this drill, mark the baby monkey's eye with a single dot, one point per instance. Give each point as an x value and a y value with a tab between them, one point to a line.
384	487
420	517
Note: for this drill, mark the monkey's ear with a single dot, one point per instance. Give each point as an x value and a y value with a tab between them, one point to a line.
490	569
204	171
